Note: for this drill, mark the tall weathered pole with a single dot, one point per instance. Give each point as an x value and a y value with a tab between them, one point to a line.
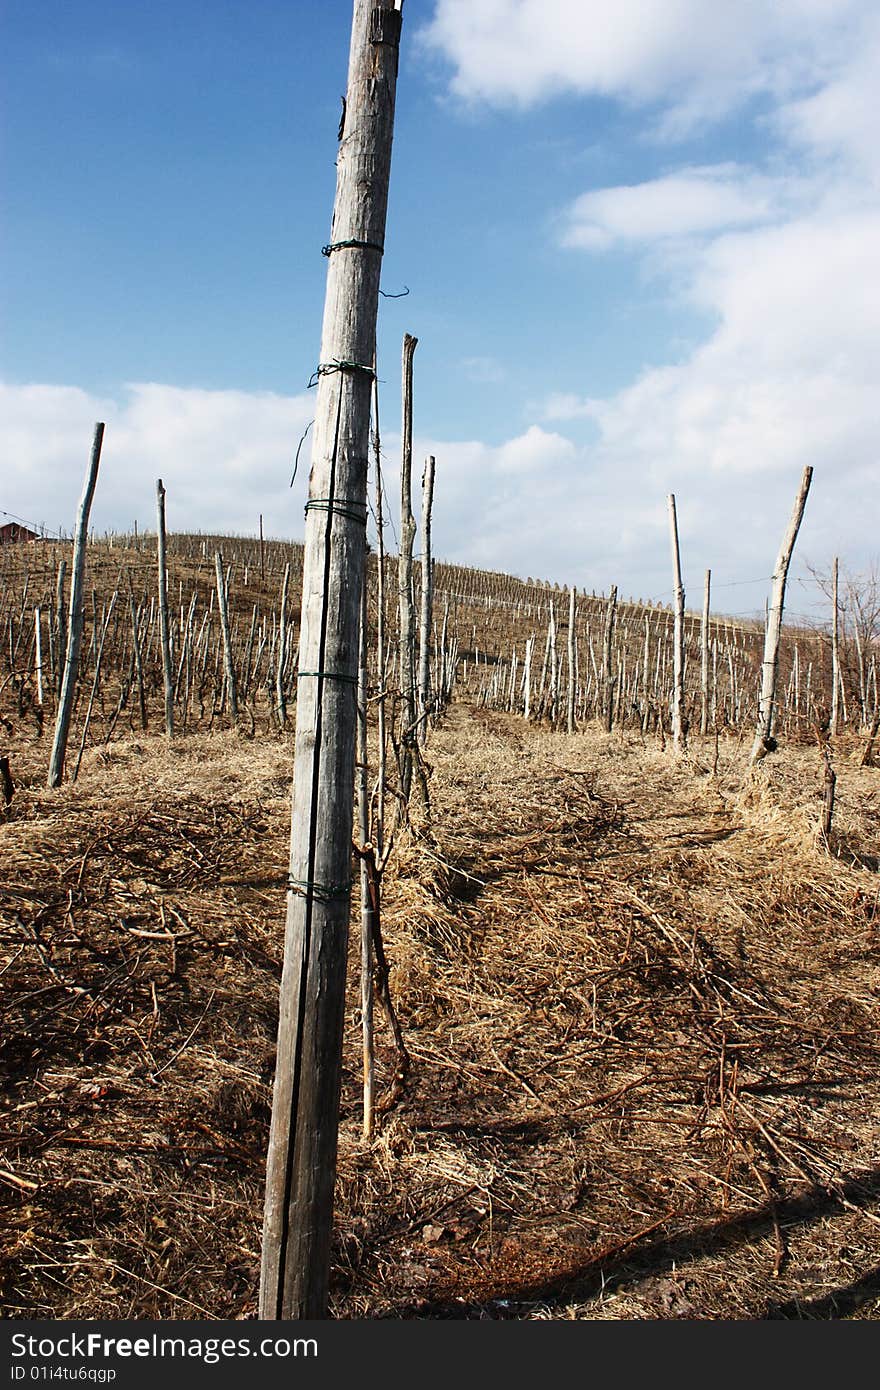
427	600
70	670
569	712
228	662
835	651
704	655
301	1165
764	742
406	606
164	623
607	648
679	718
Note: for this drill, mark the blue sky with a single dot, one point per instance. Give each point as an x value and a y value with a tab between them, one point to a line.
641	247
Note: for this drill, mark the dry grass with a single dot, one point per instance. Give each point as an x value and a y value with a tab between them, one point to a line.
640	1001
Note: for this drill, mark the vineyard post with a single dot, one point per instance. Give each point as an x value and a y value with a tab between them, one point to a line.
380	624
610	609
164	629
38	652
835	650
280	702
229	665
704	656
763	743
303	1138
61	626
404	573
571	670
427	599
75	615
679	719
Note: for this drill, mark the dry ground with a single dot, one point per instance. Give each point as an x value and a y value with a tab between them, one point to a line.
640	1000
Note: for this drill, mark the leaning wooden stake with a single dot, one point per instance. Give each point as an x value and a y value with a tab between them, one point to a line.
228	662
679	718
301	1165
406	616
380	628
426	600
280	701
608	638
764	742
164	626
835	651
75	617
38	652
704	656
569	712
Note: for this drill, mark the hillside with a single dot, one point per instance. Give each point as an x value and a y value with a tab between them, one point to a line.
638	993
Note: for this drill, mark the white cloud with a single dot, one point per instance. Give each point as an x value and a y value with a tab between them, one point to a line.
690	202
783	259
712	57
225	457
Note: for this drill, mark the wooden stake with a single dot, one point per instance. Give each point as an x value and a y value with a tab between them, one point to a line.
835	651
427	600
301	1164
571	663
228	663
406	614
164	628
704	656
679	718
764	742
75	617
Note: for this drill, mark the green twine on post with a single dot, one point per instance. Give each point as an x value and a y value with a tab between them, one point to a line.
327	891
352	244
343	507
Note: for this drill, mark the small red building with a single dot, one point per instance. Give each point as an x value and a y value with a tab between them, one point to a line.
14	533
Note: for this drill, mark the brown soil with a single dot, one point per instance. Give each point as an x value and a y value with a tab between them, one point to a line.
640	999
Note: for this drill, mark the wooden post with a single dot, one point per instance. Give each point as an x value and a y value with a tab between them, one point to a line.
835	651
571	670
380	627
280	702
764	742
262	556
228	663
427	599
301	1163
38	652
60	626
404	573
610	610
704	656
164	629
679	718
75	617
